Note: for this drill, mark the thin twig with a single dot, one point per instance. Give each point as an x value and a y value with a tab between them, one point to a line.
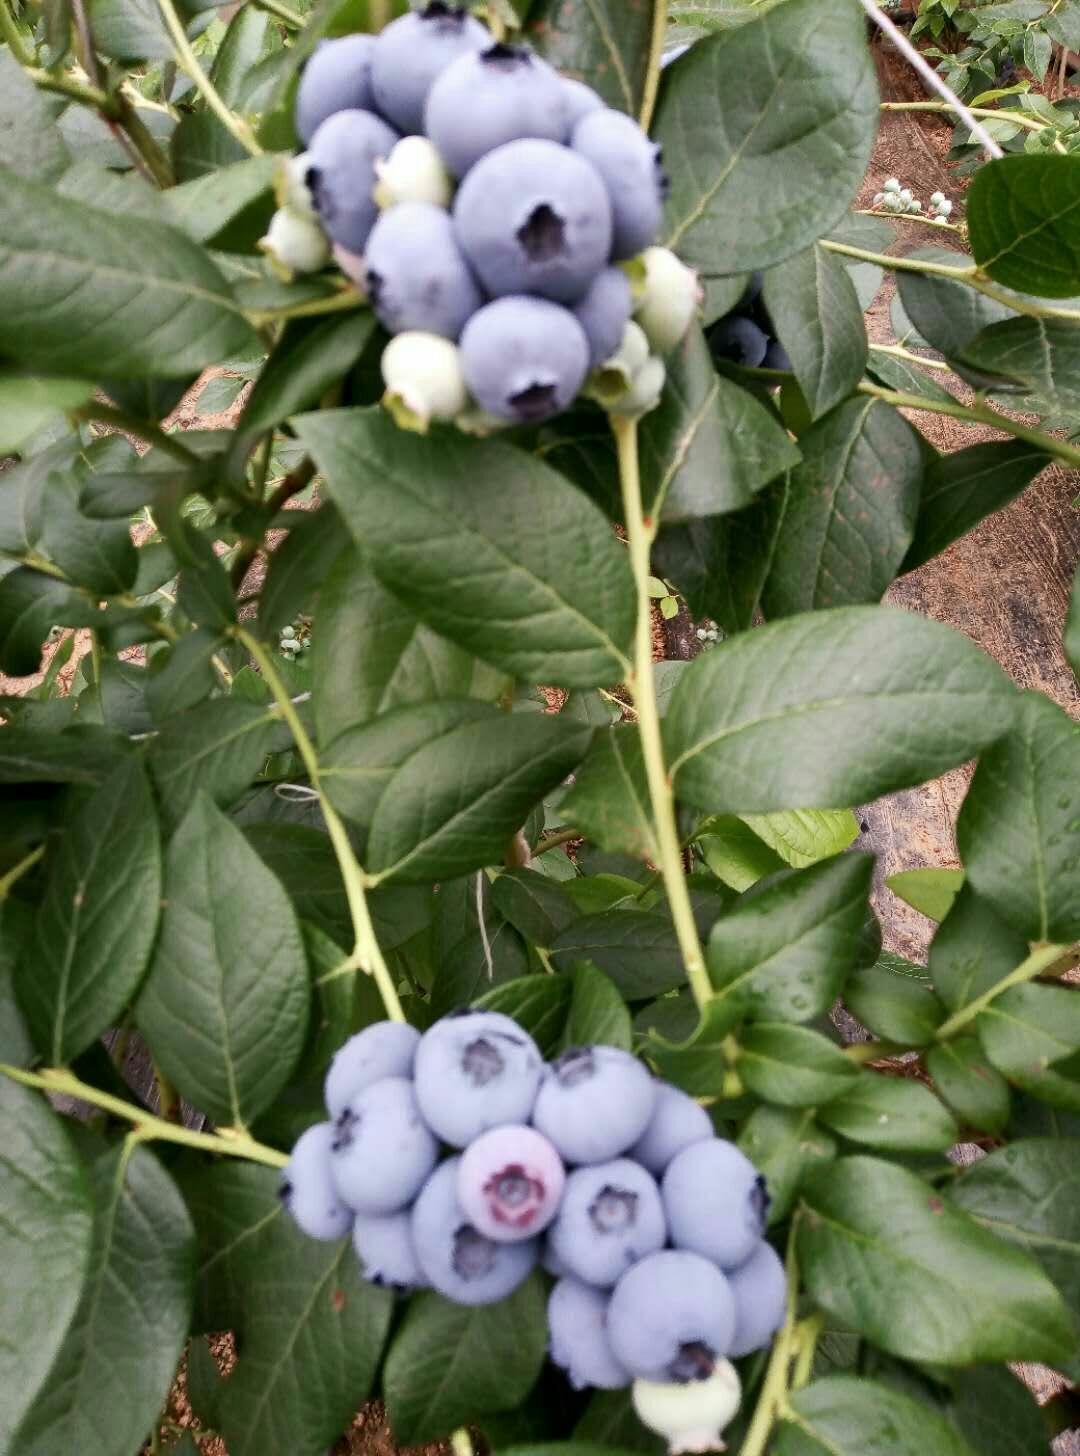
237	128
489	959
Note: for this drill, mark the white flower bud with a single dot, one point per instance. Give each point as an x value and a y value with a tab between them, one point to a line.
671	299
424	380
413	172
644	392
295	244
690	1417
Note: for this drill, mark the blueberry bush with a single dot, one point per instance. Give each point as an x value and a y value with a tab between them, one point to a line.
351	790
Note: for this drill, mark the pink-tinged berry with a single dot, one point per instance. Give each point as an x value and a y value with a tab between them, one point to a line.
510	1182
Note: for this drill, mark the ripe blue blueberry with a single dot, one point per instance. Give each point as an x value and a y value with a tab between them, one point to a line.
384	1246
510	1182
525	359
534	217
458	1260
413	51
751	293
611	1216
336	78
382	1149
594	1103
716	1202
604	313
633	174
760	1290
307	1188
738	340
491	97
677	1121
671	1318
383	1050
578	100
776	356
341	174
473	1071
416	275
579	1344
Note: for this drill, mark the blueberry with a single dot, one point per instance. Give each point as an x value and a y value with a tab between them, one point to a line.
383	1050
691	1417
383	1244
630	165
611	1216
491	97
739	340
510	1182
413	51
341	174
382	1149
677	1121
456	1258
307	1188
604	313
594	1103
578	100
577	1323
534	217
760	1290
525	358
336	78
474	1071
671	1318
417	277
715	1201
751	293
776	357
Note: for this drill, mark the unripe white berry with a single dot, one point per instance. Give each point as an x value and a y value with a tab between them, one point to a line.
945	208
615	376
941	220
906	196
413	172
690	1417
670	300
645	390
879	198
936	199
424	380
891	185
295	244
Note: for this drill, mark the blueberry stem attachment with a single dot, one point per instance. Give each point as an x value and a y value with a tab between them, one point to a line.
640	536
185	54
366	955
652	70
1033	965
25	865
148	1128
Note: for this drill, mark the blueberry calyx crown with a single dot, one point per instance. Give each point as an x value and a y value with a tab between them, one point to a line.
509	56
441	10
474	1255
543	234
344	1128
613	1209
535	402
576	1065
481	1062
761	1201
695	1361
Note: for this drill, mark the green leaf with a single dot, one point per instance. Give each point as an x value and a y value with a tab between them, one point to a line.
27	404
534	905
946	313
598	1012
892	1113
97	555
767	131
23	494
31	603
183	676
204	594
609	798
298	567
448	1362
638	949
785	953
16	927
891	1259
816	313
996	1412
973	950
784	1144
132	30
118	1359
79	287
802	837
228	209
1019	828
930	891
605	44
976	1092
792	1065
1072	628
80	755
46	1228
848	510
962	489
894	1006
735	854
216	748
30	142
423	506
241	48
538	1003
96	924
1029	1028
845	1416
229	978
1041	355
1022	216
843	680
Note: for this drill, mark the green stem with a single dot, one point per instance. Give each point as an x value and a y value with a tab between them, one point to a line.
12	34
897	351
366	955
149	1128
873	1051
775	1386
61	84
979	414
97	412
1038	961
185	54
968	274
1019	117
342	302
652	73
25	865
461	1442
640	534
808	1334
284	13
941	227
95	667
552	841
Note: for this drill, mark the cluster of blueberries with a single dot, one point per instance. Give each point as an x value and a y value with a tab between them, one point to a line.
652	1226
746	335
501	219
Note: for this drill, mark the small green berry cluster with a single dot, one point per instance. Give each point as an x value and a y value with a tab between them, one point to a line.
708	635
898	199
295	639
